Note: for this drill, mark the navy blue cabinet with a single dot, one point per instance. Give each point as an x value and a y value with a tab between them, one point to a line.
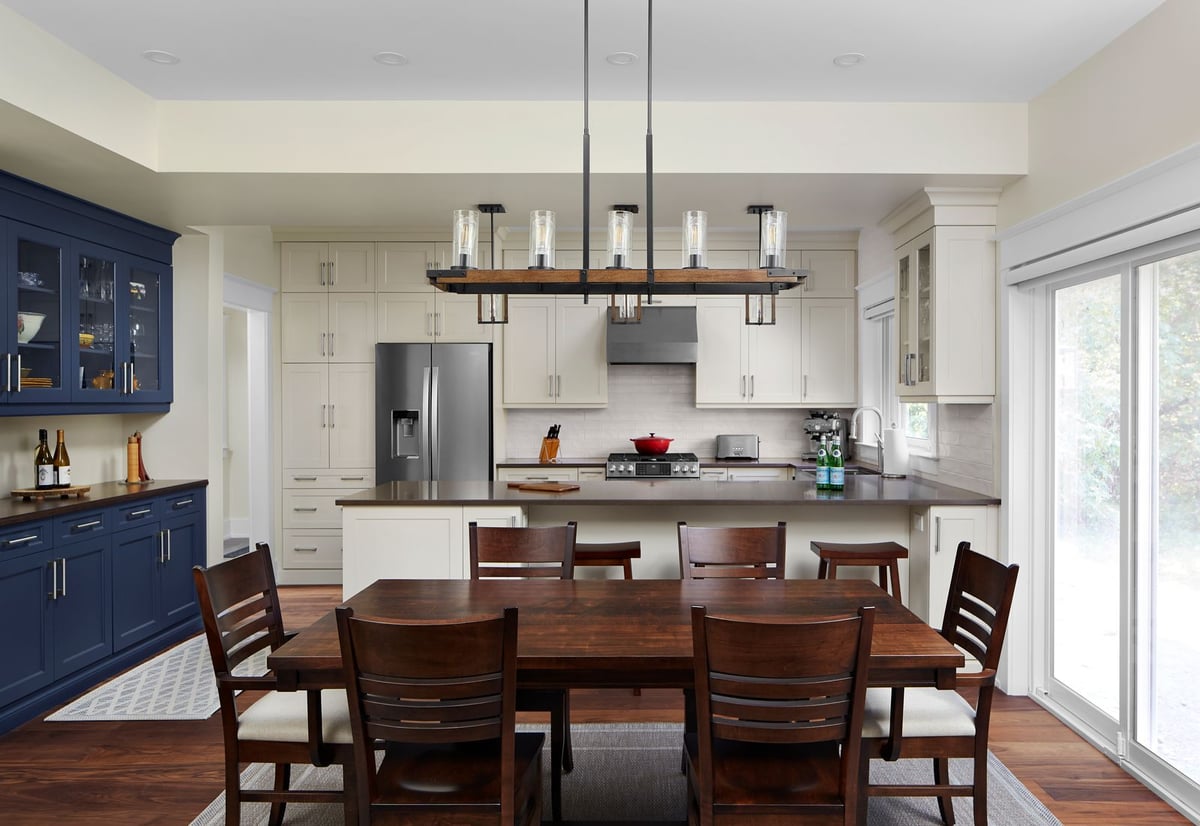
85	315
87	594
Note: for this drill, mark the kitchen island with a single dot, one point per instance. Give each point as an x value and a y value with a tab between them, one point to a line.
419	529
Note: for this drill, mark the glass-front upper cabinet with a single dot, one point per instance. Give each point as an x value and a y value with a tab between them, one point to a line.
148	346
35	302
96	329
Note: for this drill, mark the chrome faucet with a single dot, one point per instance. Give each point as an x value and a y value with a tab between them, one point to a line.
854	421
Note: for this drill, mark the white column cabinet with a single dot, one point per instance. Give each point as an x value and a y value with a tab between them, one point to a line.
828	352
335	327
554	353
329	416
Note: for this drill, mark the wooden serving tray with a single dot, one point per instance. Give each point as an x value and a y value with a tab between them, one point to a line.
29	494
548	487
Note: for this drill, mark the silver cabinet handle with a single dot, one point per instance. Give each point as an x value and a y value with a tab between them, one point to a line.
305	510
429	323
83	526
21	540
937	534
550	385
322	415
54	581
752	386
168	533
332	273
182	503
353	478
331	345
437	324
62	592
8	372
558	386
537	478
309	550
322	273
332	407
804	388
742	392
18	372
304	478
138	514
162	548
322	345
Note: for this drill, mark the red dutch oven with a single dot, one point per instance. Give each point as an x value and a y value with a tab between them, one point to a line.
651	445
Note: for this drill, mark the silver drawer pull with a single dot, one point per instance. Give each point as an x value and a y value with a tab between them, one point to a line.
353	478
311	550
21	540
139	513
305	510
182	503
82	526
304	478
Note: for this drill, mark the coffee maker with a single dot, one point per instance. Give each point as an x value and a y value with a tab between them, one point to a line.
821	423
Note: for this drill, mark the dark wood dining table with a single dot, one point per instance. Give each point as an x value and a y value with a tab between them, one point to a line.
617	633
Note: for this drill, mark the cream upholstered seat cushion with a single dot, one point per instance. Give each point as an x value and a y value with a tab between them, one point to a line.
928	712
283	716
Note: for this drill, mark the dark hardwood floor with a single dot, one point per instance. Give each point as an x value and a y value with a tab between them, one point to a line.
167	772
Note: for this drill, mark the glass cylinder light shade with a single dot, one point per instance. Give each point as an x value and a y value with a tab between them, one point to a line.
695	239
774	239
466	239
541	239
620	238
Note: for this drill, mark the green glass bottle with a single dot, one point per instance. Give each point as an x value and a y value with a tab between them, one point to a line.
837	467
823	465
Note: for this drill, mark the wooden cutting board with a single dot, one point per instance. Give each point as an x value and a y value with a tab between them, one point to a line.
548	487
51	493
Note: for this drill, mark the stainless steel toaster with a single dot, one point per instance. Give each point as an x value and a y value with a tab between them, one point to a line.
737	446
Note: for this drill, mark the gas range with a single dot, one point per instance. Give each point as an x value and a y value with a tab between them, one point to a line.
662	466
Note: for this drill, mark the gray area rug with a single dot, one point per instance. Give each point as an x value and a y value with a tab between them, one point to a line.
178	684
630	772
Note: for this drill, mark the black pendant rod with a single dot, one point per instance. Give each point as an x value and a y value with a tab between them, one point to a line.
587	166
649	151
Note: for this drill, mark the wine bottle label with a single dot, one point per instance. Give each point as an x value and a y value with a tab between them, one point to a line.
64	476
45	476
822	476
837	477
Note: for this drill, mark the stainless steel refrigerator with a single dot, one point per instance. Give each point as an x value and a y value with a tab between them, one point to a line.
433	412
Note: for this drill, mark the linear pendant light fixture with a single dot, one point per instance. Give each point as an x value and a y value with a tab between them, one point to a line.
542	277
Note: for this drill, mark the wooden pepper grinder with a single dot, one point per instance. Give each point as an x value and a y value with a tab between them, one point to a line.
133	460
142	474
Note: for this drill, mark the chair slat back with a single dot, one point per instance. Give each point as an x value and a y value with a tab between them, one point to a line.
979	602
240	608
732	553
789	682
430	681
525	553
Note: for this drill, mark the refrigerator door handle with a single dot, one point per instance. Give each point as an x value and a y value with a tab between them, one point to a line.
425	389
435	456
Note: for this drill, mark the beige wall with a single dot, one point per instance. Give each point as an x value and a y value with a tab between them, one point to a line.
236	467
1130	105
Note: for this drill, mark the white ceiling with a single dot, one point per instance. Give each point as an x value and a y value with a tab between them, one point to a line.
915	50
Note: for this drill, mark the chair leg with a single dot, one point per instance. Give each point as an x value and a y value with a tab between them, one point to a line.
568	760
350	790
233	793
283	775
557	726
941	776
689	723
980	780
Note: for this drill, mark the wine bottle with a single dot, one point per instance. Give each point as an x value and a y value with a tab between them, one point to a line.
837	467
43	464
823	465
62	463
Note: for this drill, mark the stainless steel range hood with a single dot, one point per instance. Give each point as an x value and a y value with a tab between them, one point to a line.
665	335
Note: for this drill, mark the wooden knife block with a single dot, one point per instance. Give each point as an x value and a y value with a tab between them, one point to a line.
549	451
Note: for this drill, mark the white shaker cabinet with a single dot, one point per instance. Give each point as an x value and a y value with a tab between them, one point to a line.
411	310
832	274
318	266
933	542
554	353
828	353
741	365
338	327
329	415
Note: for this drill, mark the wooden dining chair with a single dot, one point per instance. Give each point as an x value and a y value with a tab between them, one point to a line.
940	724
240	608
781	709
440	695
732	553
542	552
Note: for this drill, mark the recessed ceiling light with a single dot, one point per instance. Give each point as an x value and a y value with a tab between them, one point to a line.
849	59
390	59
621	58
159	56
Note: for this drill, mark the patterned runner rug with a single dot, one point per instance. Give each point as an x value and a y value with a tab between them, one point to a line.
178	684
629	772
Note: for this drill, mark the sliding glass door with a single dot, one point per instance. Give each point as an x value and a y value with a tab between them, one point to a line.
1124	587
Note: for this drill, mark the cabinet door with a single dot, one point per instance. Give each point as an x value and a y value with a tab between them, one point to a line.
184	545
721	379
934	545
828	351
369	551
775	363
306	419
914	312
351	415
402	265
581	360
456	319
305	326
302	266
832	273
25	664
135	588
529	352
37	330
406	317
144	301
82	621
352	327
350	267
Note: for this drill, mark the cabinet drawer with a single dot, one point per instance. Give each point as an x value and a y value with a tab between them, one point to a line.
551	474
714	474
181	504
591	473
27	538
312	550
345	479
760	474
145	510
312	509
79	526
